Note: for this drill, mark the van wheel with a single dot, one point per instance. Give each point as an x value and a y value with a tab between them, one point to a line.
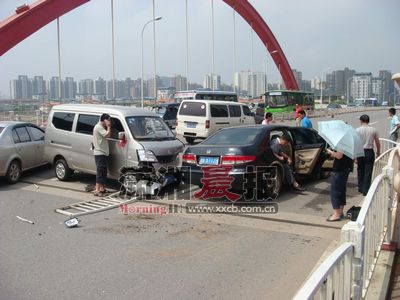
13	172
189	140
61	169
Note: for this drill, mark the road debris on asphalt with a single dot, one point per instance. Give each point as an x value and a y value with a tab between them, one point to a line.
70	223
25	220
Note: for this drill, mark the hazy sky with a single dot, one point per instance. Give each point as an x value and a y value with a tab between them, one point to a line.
314	34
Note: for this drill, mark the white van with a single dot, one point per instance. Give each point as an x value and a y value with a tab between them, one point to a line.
139	137
198	119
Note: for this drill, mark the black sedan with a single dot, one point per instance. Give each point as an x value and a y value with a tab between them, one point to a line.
239	159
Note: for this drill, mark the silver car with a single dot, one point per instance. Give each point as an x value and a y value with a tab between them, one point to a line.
21	148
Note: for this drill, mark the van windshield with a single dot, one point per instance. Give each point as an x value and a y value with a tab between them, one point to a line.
149	129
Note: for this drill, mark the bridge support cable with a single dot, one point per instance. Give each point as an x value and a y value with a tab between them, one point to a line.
59	60
113	50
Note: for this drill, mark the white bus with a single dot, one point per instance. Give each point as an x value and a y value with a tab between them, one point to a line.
366	102
206	95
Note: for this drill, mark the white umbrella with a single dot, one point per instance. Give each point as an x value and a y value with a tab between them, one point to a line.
341	137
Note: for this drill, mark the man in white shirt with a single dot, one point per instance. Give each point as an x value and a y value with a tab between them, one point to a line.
365	165
101	132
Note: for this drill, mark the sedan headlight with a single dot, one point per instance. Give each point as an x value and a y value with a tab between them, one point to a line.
147	155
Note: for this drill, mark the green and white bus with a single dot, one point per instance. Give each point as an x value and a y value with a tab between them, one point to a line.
285	101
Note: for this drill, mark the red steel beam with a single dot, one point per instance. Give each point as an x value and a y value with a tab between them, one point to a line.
29	19
21	25
250	14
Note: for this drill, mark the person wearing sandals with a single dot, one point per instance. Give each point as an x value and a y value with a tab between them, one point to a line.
101	132
342	166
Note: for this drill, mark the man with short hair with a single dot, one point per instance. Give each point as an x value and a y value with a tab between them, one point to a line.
304	120
286	161
394	125
101	132
267	119
365	165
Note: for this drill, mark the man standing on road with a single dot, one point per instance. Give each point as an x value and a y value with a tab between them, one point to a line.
286	161
394	125
304	120
101	132
267	119
365	165
296	113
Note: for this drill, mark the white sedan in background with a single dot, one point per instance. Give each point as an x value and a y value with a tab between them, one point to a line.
21	148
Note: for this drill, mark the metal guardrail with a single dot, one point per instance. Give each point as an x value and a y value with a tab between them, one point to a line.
366	235
324	112
383	160
37	117
332	280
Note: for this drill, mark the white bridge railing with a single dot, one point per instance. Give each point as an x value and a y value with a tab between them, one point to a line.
366	235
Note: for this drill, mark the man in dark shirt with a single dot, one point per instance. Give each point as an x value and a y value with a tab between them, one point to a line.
342	166
276	147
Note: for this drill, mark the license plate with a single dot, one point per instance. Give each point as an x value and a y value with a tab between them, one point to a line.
191	125
207	160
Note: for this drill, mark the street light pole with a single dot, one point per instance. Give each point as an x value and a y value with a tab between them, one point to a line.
234	50
187	47
154	53
144	26
213	46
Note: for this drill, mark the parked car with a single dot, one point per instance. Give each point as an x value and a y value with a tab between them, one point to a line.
246	146
198	119
21	148
138	137
168	112
333	106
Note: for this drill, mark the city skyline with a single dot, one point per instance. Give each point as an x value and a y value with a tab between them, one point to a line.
339	83
362	38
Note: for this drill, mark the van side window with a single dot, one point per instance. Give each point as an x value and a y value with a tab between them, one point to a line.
234	111
246	111
63	121
219	111
116	127
86	124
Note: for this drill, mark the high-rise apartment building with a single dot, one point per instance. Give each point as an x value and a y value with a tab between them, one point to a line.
212	82
361	85
180	83
100	88
388	85
86	87
250	84
54	88
377	88
69	88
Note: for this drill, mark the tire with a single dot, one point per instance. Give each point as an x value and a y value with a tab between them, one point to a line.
278	178
189	140
61	170
13	172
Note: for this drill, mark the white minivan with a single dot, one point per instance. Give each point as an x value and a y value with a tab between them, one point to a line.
198	119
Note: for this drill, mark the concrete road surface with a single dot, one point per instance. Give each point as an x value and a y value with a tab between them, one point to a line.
153	256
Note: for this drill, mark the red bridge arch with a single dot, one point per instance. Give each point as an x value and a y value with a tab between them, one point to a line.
30	18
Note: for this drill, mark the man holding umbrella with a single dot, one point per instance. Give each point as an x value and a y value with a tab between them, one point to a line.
347	144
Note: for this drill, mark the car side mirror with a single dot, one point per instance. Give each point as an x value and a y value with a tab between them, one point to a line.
121	135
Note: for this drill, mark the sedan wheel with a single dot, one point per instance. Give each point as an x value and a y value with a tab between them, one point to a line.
276	182
13	172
